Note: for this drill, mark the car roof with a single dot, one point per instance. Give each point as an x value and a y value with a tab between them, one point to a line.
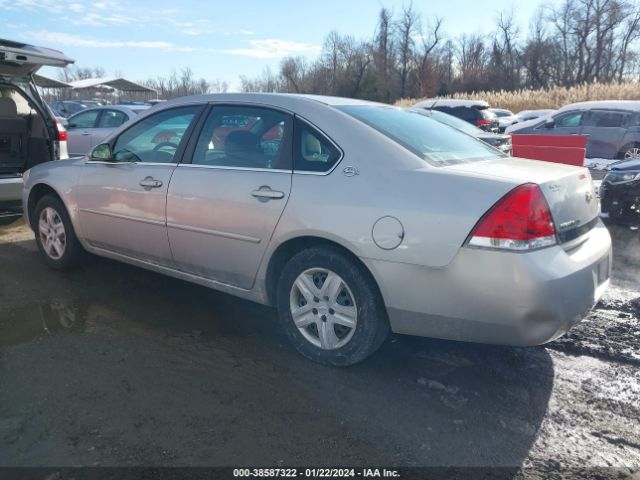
283	100
124	108
450	102
633	105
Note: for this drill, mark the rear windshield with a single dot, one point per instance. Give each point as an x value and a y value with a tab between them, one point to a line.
455	122
429	139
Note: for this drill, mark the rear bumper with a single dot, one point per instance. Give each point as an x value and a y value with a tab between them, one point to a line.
10	198
498	297
10	189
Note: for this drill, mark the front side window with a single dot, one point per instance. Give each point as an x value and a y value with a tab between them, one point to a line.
156	138
112	119
245	137
313	152
84	119
604	118
432	141
573	119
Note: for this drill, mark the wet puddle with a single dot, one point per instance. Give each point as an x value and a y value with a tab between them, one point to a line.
38	320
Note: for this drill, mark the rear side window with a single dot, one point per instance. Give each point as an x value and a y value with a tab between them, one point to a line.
84	119
245	137
112	119
604	118
313	152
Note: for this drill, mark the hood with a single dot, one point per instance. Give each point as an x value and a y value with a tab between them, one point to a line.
632	165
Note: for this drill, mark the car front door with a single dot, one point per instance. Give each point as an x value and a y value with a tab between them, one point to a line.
122	201
80	130
606	129
225	201
569	123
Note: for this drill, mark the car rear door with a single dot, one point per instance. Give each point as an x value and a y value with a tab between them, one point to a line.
108	121
225	200
122	201
606	130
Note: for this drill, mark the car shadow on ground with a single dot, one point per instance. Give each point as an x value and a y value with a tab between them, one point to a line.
137	369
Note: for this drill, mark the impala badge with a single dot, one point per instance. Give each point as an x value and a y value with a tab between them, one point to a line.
350	171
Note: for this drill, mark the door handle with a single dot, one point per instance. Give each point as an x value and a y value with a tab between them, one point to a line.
150	182
265	193
85	133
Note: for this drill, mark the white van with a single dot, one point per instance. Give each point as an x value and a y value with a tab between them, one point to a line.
29	132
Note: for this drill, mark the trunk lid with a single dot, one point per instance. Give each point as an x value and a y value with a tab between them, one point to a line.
21	60
568	190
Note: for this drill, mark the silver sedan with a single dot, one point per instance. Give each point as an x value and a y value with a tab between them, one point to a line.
352	218
91	126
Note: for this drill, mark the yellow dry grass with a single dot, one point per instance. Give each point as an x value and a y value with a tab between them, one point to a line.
556	97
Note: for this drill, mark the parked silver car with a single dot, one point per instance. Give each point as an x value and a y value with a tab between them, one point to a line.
89	127
351	217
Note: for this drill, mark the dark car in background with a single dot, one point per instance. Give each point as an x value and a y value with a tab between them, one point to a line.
500	141
66	108
612	127
620	193
476	112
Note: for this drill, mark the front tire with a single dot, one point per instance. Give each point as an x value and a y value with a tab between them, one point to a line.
330	307
630	152
55	236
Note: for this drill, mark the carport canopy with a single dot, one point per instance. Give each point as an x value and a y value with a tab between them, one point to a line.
120	83
46	82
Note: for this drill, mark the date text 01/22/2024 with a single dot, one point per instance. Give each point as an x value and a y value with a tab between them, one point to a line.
315	473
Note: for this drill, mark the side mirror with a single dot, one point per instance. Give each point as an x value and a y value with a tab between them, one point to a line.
71	125
549	123
102	153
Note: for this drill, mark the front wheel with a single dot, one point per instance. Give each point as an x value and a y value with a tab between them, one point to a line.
630	152
55	236
330	308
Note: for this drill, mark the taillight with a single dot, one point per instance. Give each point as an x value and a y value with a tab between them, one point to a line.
61	132
482	122
521	220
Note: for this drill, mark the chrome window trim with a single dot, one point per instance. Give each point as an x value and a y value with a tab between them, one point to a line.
223	167
151	164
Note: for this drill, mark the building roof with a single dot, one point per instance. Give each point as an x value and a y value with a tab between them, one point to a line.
46	82
120	83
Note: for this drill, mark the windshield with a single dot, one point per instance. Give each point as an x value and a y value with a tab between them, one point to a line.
503	113
434	142
455	122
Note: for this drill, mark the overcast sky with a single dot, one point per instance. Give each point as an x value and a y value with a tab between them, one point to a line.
218	39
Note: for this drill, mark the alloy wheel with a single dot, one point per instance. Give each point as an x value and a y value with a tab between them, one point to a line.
632	153
52	233
323	308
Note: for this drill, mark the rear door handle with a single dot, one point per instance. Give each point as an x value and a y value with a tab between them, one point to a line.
150	182
265	193
85	133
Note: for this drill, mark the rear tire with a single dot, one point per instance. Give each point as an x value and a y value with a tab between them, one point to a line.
340	318
55	235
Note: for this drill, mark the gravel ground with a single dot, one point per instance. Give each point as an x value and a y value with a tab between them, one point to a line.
111	365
